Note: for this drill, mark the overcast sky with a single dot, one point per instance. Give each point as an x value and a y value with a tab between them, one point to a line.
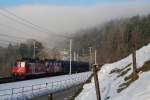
62	17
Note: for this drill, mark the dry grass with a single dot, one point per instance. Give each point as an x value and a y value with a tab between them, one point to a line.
124	72
119	71
116	70
133	77
130	80
145	68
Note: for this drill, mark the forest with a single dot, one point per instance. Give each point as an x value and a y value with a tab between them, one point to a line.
114	39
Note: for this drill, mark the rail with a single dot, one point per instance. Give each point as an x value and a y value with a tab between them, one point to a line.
41	89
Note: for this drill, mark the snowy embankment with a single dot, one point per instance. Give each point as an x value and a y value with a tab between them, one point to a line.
43	86
110	81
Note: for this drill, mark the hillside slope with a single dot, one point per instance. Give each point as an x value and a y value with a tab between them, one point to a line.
114	78
114	39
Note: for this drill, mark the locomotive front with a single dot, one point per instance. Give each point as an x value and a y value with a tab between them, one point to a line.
19	69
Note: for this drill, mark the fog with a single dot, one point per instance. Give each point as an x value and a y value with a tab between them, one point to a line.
58	21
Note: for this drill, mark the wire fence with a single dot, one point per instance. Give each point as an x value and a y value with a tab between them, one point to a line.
41	89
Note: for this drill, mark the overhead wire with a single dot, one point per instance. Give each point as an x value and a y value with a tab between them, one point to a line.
4	15
10	36
15	29
26	23
35	26
8	41
19	21
18	30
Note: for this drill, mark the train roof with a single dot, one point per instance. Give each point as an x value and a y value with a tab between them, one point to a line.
29	60
38	60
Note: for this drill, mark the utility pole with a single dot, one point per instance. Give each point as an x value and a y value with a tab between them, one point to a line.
74	56
77	57
95	56
134	60
134	57
50	96
34	49
134	51
70	55
90	60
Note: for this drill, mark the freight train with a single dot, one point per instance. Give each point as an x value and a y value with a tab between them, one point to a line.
33	67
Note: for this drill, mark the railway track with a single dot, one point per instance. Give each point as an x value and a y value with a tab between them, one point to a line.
6	80
14	79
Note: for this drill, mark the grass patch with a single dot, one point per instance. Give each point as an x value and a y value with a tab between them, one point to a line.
131	78
124	72
118	71
145	67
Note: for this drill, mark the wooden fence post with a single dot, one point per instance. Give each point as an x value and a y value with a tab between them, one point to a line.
22	91
96	82
32	89
12	93
134	62
50	96
133	43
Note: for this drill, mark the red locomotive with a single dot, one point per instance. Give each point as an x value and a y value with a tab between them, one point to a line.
28	67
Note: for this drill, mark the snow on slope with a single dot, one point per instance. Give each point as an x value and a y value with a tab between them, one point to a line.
138	90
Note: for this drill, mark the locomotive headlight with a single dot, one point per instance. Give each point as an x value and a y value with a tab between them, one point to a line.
18	70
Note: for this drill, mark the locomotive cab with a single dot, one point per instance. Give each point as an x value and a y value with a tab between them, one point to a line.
19	68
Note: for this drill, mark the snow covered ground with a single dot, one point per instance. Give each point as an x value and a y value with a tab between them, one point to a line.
30	88
138	90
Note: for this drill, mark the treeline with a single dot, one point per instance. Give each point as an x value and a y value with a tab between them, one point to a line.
115	39
9	54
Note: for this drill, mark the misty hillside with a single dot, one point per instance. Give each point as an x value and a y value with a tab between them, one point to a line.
115	39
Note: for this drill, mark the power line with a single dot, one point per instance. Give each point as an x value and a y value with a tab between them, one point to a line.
24	22
18	30
6	10
8	36
5	35
20	38
16	20
15	29
5	43
35	26
4	15
8	41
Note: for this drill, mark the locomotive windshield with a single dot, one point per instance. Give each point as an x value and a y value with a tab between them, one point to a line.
20	64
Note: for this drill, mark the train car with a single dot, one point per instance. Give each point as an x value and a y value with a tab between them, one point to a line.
28	67
76	66
53	66
35	67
